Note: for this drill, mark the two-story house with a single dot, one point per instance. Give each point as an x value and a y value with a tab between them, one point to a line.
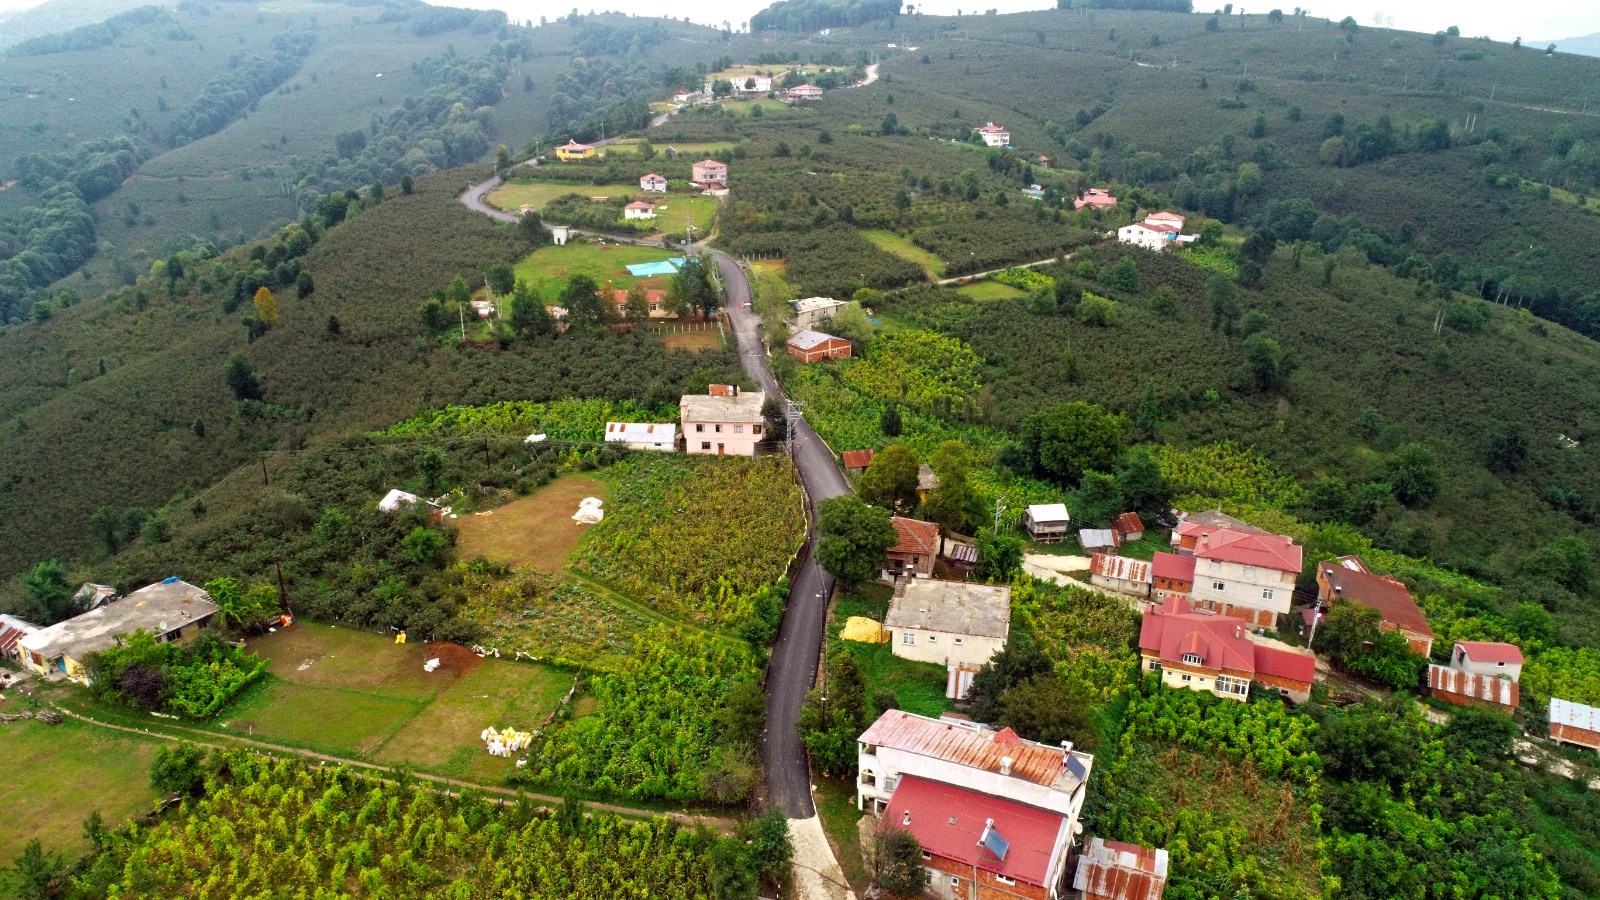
1172	576
957	624
709	171
914	554
993	135
725	422
996	815
1219	655
1246	572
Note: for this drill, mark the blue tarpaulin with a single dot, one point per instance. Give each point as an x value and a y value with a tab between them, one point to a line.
664	267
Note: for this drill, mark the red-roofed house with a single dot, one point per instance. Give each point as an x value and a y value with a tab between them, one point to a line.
1166	218
1113	870
1479	672
1128	527
654	183
1150	237
993	135
707	171
573	150
992	811
1244	573
12	631
976	845
1205	652
915	552
639	209
1173	576
857	460
655	298
1348	578
1095	198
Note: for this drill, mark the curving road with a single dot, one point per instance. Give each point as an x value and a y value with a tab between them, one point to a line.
798	650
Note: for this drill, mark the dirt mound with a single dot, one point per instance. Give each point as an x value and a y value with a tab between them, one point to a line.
454	659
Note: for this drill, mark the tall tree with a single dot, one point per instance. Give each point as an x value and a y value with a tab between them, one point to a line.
1067	440
953	503
581	297
890	480
636	309
528	315
502	279
243	382
1413	472
693	286
532	228
856	538
266	306
48	589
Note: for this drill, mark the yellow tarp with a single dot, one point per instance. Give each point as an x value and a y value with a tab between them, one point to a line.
864	630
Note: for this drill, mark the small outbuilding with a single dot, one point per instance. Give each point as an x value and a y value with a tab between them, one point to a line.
1047	523
857	460
813	346
1128	527
643	435
1098	540
1122	574
639	209
1113	870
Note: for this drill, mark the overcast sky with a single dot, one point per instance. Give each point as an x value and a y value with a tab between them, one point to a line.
1531	19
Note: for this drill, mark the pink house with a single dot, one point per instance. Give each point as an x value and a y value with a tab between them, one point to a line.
725	422
1166	218
709	170
1095	198
805	92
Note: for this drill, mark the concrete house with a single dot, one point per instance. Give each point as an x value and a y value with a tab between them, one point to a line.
1095	198
996	815
1348	578
957	624
1218	654
1122	574
1479	672
1047	523
805	92
1574	723
709	171
814	346
1239	572
639	209
1128	527
814	311
725	422
753	84
653	183
1172	575
1113	870
993	135
913	556
572	150
1150	237
173	610
643	435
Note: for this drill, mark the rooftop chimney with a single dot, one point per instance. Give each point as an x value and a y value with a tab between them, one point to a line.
1066	749
1238	631
907	820
1005	765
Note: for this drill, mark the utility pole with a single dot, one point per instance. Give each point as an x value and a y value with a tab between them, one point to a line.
283	593
999	510
461	313
791	416
265	482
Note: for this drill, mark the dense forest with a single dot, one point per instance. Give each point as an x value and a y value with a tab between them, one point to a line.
812	15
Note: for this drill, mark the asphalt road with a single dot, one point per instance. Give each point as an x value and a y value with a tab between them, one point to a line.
798	650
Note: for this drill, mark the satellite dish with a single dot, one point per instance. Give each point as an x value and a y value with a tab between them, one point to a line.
163	626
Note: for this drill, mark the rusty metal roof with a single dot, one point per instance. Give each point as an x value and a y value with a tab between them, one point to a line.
1113	870
1054	767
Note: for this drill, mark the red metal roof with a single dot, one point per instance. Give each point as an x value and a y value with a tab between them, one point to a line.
979	749
1173	566
1220	641
916	536
949	821
858	459
1127	523
1389	597
1124	568
13	630
1286	664
1267	551
1491	652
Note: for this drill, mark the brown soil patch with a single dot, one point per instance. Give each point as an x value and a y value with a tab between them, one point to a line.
709	339
535	531
454	660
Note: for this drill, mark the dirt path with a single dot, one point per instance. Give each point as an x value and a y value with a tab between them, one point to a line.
817	875
451	786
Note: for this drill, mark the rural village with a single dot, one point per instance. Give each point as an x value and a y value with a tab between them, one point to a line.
810	570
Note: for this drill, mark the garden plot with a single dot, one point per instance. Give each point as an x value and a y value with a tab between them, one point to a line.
547	269
536	531
56	775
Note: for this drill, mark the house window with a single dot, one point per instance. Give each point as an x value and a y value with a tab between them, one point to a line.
1004	880
959	642
1266	593
933	639
699	427
1249	571
1155	665
718	428
705	445
738	429
1219	586
907	637
1234	686
955	882
926	856
1188	678
1501	665
755	429
1192	659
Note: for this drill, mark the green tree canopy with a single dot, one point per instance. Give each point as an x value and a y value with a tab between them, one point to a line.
890	480
856	538
1067	440
1413	472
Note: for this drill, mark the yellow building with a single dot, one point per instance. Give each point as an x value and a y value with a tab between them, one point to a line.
173	610
572	150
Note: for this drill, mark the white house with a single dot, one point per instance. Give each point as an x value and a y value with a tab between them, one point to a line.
957	624
805	92
1239	571
1166	218
725	422
1150	237
655	184
1048	523
814	311
643	435
996	815
752	84
993	135
639	209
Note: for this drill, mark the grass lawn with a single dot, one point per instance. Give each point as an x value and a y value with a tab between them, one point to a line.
512	195
899	246
744	107
357	694
836	804
536	530
56	775
697	149
705	339
768	266
671	208
1145	548
989	290
918	686
547	269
